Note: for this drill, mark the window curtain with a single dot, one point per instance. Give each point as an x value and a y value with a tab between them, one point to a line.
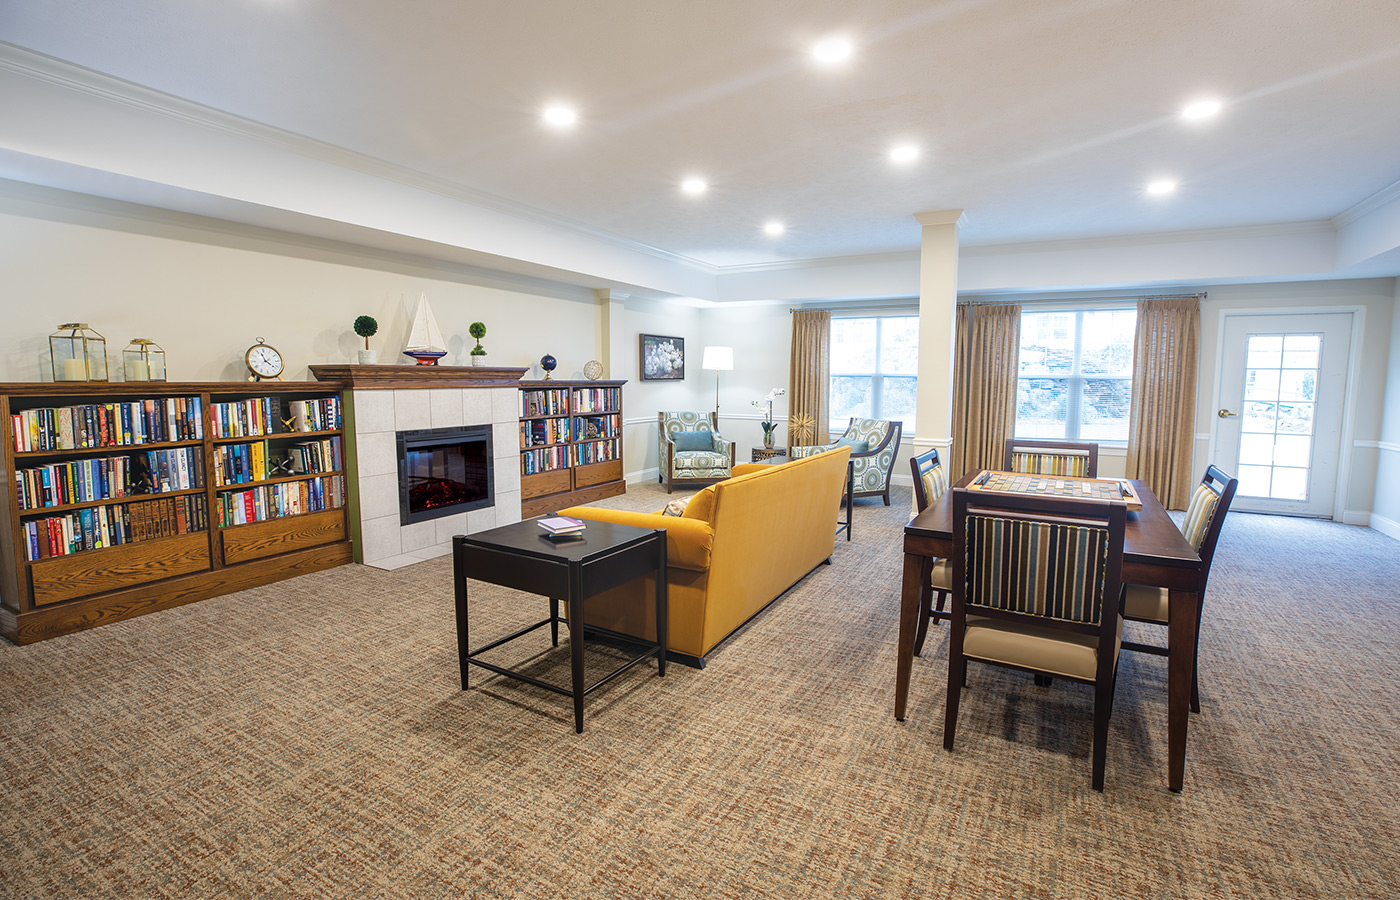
809	377
1161	418
985	366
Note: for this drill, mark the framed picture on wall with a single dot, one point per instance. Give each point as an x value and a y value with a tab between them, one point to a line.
661	358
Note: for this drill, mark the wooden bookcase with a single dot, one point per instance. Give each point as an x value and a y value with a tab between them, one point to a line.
570	444
185	541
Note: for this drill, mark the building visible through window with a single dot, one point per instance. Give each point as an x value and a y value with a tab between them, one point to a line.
874	370
1076	374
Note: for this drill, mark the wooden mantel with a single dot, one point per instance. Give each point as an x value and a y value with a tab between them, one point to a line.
387	378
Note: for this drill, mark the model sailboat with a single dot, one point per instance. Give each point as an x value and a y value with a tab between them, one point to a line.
425	342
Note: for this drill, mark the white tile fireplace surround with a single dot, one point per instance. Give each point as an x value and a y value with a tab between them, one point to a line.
380	411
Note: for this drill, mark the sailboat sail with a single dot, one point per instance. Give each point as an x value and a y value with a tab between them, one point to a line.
425	336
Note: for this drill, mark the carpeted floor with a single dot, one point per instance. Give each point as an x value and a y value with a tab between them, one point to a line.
309	739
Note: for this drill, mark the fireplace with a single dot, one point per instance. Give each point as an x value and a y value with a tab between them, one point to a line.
444	471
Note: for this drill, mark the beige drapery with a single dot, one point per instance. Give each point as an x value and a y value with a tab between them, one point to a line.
809	377
985	364
1161	421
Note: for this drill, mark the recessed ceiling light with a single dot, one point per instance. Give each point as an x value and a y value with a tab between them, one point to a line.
1161	187
773	228
1201	109
560	116
831	50
904	153
694	186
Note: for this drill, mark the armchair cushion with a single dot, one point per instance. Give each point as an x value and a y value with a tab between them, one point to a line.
856	446
689	441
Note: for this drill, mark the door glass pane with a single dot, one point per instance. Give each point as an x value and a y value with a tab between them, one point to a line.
1042	407
850	396
1257	449
1103	409
1254	481
1301	351
1295	418
1261	384
1289	484
897	400
1292	450
899	349
1264	351
1297	384
852	347
1258	418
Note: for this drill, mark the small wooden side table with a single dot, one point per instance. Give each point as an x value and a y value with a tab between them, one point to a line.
763	454
523	557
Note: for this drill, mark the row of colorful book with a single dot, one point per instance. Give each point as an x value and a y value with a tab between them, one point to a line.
247	463
92	425
288	498
596	452
258	416
597	400
534	433
114	525
551	402
104	478
545	460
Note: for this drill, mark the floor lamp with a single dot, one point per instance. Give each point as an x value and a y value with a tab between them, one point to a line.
720	359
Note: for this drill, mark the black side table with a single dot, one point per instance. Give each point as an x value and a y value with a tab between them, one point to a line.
524	557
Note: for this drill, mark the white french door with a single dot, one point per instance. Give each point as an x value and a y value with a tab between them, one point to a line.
1282	392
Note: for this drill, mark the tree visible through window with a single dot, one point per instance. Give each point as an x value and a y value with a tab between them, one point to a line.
874	370
1075	374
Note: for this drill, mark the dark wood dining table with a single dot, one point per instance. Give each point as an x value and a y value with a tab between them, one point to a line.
1154	553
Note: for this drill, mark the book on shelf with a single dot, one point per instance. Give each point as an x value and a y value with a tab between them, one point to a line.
94	425
562	524
113	525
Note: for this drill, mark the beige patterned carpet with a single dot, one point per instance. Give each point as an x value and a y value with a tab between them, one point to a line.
309	740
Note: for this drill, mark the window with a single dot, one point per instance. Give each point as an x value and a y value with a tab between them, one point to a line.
874	370
1076	374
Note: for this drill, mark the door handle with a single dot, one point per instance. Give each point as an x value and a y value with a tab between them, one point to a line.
1225	414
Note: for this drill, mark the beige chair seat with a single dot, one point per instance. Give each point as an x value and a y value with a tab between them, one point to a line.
1036	647
941	578
1146	603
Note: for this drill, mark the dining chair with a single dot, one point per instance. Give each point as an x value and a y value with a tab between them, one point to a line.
1205	515
1078	459
1036	587
930	483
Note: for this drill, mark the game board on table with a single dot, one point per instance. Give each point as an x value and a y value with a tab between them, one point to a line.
1058	486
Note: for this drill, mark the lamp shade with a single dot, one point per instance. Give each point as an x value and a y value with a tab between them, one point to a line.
718	358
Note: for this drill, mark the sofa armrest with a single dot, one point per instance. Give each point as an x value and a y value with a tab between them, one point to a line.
688	541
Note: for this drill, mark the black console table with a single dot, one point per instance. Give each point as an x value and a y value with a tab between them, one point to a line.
523	556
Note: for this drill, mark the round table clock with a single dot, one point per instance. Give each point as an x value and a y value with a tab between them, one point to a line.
264	362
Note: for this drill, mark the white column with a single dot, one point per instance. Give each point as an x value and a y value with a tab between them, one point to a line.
938	297
615	352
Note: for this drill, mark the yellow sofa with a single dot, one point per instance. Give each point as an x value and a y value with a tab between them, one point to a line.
740	544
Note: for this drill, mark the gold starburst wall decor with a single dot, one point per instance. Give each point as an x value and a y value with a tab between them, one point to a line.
800	429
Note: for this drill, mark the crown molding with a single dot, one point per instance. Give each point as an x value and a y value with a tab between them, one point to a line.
57	72
1370	204
855	259
1231	233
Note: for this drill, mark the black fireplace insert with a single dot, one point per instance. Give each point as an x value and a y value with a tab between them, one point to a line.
444	471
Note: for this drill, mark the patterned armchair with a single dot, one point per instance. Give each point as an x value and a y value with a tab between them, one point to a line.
873	464
690	449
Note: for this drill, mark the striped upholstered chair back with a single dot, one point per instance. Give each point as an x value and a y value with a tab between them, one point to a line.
930	480
1058	562
1078	459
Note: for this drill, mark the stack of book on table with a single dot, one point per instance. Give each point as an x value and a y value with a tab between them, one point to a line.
562	526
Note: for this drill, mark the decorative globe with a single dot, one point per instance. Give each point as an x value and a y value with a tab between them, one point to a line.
548	363
593	370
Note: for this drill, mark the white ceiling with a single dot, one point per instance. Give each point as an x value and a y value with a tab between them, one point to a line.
1043	119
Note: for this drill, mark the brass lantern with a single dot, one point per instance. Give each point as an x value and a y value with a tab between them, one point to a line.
78	353
143	361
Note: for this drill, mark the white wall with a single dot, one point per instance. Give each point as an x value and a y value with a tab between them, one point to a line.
1385	516
1375	300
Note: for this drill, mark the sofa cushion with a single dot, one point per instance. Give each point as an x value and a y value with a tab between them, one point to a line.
702	505
675	507
692	440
